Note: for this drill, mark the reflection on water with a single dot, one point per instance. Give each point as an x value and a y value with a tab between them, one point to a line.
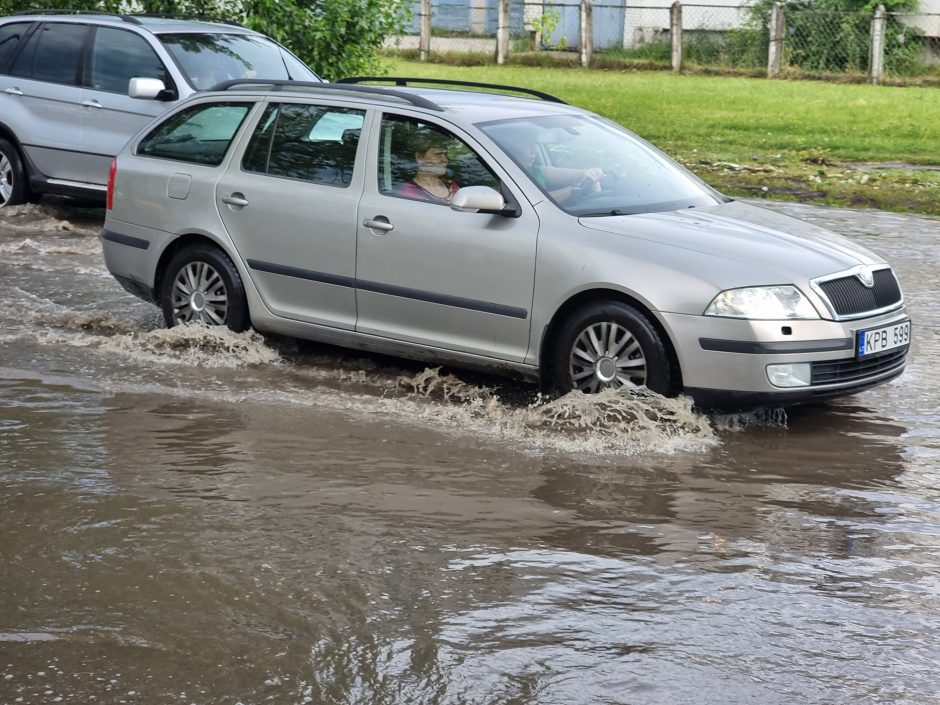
189	517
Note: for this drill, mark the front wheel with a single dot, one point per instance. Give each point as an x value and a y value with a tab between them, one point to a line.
201	285
609	345
13	186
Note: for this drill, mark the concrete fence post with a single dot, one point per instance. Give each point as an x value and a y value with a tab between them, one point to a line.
777	32
876	58
502	32
675	29
587	32
424	42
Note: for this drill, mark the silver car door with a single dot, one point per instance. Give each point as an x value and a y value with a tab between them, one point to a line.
109	116
430	275
290	208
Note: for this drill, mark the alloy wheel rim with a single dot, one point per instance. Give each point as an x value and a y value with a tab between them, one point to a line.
6	179
606	355
199	295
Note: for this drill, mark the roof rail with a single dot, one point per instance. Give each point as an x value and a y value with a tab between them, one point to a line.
415	100
76	11
190	17
404	81
133	18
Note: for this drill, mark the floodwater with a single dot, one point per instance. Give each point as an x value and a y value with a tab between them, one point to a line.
190	516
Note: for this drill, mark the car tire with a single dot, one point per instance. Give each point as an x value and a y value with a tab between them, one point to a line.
610	344
14	187
201	285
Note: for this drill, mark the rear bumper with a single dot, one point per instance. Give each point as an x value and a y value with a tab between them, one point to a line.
138	289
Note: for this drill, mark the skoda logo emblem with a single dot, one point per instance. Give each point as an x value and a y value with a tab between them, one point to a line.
865	276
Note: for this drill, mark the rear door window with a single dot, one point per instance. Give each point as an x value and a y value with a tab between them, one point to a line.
118	56
307	142
52	54
200	134
10	35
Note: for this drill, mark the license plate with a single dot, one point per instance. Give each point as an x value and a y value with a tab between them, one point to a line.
880	339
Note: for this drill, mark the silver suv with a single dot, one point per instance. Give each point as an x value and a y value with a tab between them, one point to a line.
75	87
512	233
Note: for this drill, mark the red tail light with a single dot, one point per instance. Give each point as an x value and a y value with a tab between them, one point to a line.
111	176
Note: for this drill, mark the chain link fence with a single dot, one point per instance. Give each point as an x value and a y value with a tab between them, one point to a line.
721	36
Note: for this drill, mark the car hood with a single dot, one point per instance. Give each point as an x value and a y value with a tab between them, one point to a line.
740	233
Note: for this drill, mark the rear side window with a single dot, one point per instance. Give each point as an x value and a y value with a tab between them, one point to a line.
200	134
118	56
10	35
307	142
52	54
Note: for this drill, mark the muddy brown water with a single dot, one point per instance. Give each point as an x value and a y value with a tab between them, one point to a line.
189	516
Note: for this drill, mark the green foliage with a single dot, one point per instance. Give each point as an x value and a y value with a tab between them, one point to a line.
335	37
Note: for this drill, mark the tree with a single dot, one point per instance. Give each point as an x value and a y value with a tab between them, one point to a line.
336	37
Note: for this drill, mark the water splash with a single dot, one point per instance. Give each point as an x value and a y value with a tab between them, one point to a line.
744	420
52	218
189	344
626	421
83	246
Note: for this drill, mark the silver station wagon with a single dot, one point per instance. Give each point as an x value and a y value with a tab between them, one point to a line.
496	229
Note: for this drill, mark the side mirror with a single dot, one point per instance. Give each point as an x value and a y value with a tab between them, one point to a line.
148	89
478	199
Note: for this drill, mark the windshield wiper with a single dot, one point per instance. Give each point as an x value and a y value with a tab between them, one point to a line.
609	211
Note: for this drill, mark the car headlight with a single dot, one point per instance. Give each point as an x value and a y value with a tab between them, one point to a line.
771	303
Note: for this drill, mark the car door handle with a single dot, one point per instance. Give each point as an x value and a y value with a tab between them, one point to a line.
13	91
91	103
379	223
236	199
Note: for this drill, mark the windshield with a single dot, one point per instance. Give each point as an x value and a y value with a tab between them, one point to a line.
592	167
208	59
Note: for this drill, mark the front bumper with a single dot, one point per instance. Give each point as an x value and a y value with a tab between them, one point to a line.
724	361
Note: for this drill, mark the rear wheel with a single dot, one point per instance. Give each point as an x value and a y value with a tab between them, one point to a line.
201	285
609	345
13	186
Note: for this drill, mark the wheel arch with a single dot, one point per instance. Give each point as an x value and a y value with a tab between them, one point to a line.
181	243
31	174
583	298
7	134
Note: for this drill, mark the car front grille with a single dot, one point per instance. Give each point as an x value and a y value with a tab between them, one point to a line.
849	297
858	369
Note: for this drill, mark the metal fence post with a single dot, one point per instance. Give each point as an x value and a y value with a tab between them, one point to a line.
502	32
424	42
777	31
876	59
675	28
587	33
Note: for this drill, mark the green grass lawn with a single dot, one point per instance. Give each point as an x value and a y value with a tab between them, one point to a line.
804	140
